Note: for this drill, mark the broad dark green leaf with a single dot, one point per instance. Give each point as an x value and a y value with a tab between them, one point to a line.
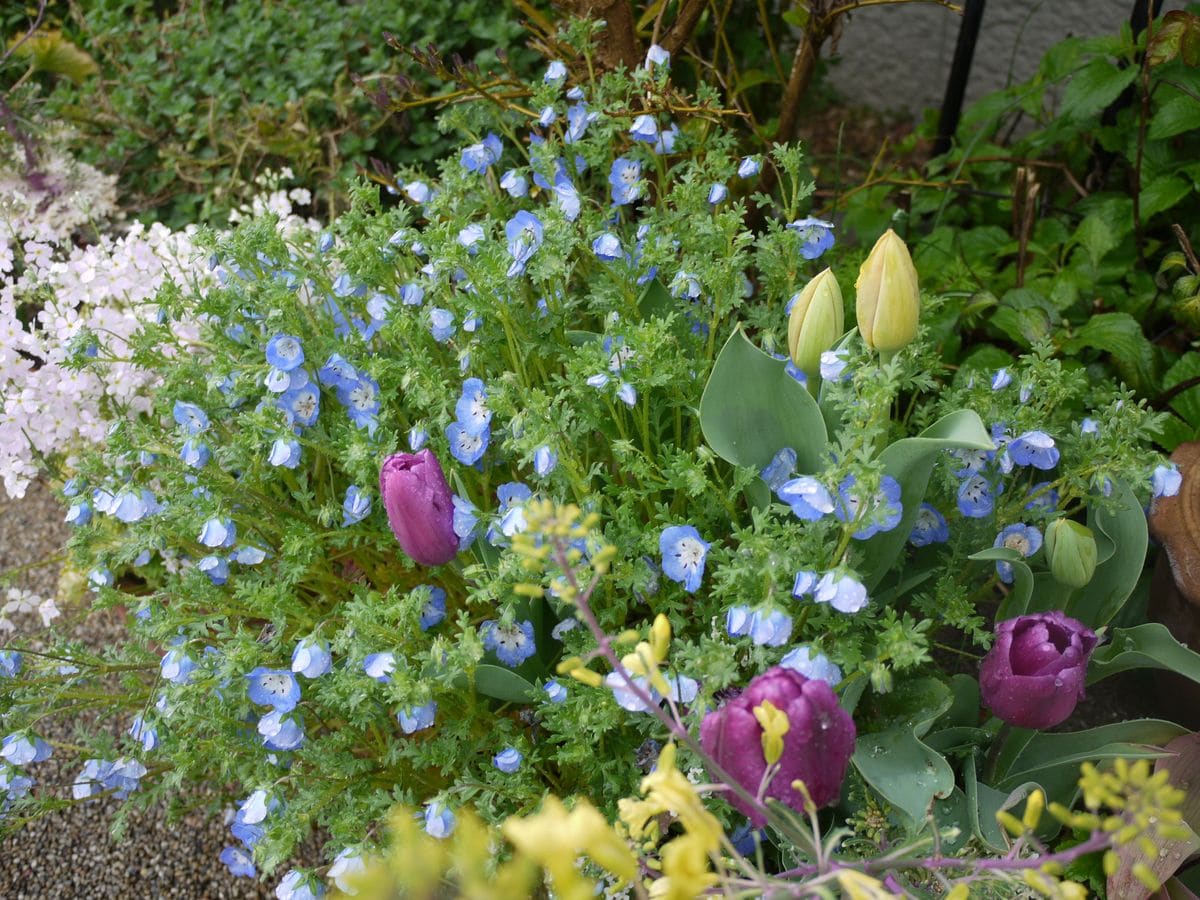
503	684
1094	87
1148	646
751	409
1124	526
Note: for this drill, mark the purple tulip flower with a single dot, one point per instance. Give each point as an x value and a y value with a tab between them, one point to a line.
420	506
1034	674
816	749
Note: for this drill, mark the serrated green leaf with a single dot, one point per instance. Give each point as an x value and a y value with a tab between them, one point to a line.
1094	87
1121	336
1178	115
1161	194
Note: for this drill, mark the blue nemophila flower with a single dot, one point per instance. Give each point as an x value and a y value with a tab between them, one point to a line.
717	194
466	521
843	592
298	886
563	627
645	129
177	667
122	777
195	453
13	786
578	119
975	499
973	461
277	688
79	514
1166	481
479	157
544	460
285	352
816	236
193	419
312	658
833	365
749	167
10	663
597	381
249	555
508	760
929	528
683	555
1043	497
515	183
285	452
607	247
417	192
685	286
666	139
804	583
417	438
1001	380
278	381
1025	393
467	448
337	372
347	866
657	56
356	506
301	405
1088	426
218	533
513	496
470	236
434	610
132	505
280	731
799	374
525	232
361	400
809	499
575	93
439	821
555	692
72	487
471	411
737	621
380	666
100	577
780	469
1021	537
512	644
566	198
325	242
19	750
441	324
625	180
770	628
546	118
239	862
627	394
883	513
556	72
417	718
802	660
1034	448
412	295
682	690
144	733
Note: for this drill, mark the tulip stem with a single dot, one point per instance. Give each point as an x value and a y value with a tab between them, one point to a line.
993	757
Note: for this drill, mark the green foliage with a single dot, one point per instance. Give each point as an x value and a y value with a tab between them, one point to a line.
194	102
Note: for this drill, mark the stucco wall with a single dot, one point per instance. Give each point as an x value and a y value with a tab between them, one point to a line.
898	56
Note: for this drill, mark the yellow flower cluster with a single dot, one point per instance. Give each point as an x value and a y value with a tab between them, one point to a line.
685	860
550	526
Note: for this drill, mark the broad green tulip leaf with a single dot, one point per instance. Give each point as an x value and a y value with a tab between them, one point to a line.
1124	526
1148	646
503	684
964	709
903	770
953	812
1017	601
1053	759
752	409
910	461
983	802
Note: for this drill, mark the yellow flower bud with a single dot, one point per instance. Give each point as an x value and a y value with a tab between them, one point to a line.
959	892
1033	810
660	636
774	723
1112	863
816	322
1010	822
888	301
1146	876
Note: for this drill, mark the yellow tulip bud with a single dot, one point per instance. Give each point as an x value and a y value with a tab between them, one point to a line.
1071	551
660	637
816	322
888	301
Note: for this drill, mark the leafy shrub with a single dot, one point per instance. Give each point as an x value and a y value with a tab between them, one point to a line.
195	101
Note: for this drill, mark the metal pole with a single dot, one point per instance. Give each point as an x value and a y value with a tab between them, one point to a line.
960	71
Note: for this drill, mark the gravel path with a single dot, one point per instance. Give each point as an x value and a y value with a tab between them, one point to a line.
71	854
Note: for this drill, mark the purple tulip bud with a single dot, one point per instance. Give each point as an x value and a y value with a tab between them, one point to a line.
420	507
816	749
1034	674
